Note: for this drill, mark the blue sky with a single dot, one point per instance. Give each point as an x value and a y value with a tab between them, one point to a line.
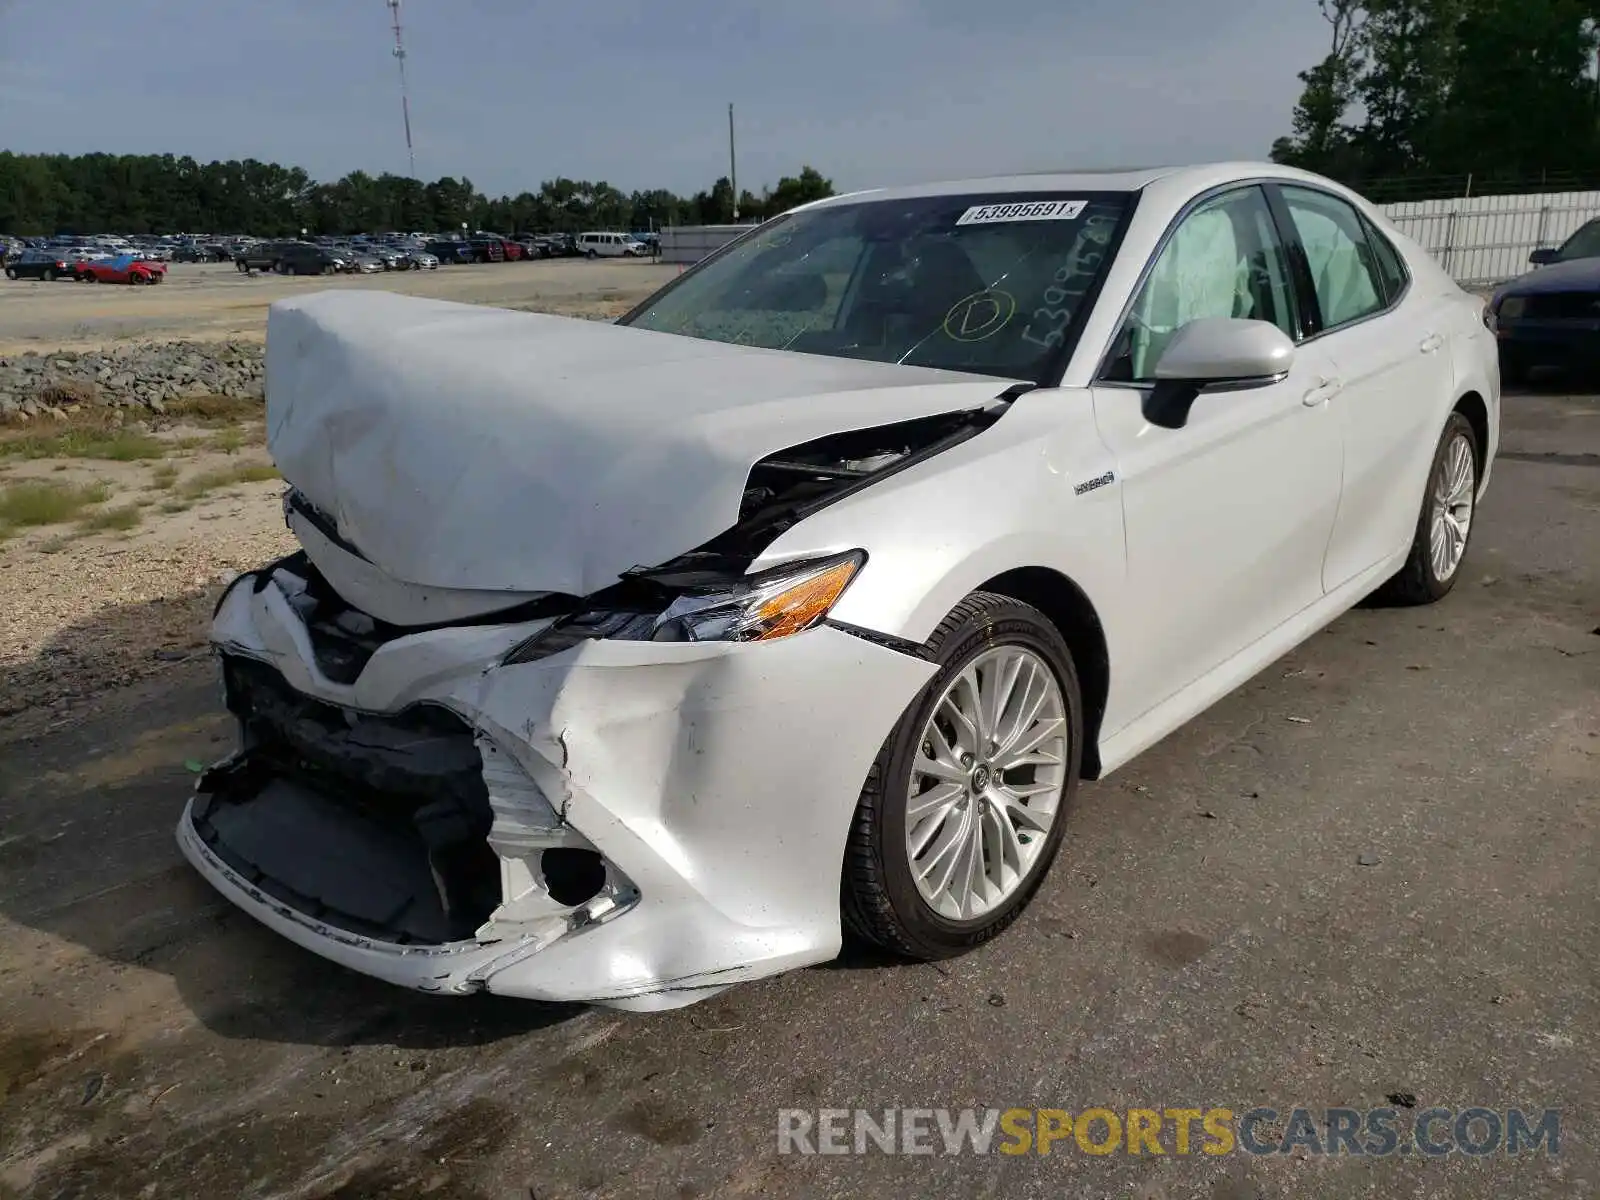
510	92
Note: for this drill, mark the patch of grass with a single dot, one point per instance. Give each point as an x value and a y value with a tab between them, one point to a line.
229	441
114	445
176	506
58	543
163	477
215	408
191	443
47	503
209	481
108	520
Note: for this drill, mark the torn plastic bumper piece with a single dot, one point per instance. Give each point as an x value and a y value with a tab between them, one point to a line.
704	791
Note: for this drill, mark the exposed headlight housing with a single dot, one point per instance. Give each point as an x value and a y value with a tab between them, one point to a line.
756	608
1511	308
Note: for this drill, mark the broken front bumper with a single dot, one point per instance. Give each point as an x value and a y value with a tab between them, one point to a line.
716	781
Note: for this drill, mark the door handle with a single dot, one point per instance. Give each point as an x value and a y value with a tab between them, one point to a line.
1431	343
1325	390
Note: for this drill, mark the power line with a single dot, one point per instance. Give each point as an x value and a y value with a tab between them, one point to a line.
405	98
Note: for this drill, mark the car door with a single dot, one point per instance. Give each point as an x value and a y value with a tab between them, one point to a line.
1227	518
1388	344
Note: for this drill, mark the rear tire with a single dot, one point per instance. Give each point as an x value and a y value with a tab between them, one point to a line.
882	901
50	275
1431	569
11	272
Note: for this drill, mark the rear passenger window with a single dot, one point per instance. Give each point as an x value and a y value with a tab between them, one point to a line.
1343	268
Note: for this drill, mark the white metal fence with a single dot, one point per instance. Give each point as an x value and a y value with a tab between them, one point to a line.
1487	239
691	243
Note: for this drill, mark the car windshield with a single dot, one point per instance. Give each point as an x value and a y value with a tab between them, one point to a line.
990	284
1583	244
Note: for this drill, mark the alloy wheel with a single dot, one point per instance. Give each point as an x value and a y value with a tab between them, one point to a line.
987	782
1454	490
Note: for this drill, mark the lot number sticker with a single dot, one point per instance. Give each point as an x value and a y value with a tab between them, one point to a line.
1038	210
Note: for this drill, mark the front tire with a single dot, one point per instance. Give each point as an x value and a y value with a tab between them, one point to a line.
964	808
1444	527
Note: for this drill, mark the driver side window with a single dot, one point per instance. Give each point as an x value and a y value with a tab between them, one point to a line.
1223	260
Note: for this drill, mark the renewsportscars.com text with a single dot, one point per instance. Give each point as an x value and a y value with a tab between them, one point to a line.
1474	1130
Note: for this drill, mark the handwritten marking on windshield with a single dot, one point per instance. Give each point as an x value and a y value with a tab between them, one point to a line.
980	315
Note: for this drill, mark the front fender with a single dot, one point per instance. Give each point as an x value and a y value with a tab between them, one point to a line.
1004	500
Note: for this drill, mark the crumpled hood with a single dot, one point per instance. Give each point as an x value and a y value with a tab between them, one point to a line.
457	446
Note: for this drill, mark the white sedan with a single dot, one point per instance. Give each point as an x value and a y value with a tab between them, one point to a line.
622	662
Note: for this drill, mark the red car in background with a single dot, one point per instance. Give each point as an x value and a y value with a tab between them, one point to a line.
512	250
123	269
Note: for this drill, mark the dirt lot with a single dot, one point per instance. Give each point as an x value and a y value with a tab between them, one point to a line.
216	301
1369	873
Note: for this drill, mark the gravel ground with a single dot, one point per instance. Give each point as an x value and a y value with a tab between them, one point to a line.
209	301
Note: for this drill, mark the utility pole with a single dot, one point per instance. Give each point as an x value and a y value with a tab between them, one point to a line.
405	99
733	163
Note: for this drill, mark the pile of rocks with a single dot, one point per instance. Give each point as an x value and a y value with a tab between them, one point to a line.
146	376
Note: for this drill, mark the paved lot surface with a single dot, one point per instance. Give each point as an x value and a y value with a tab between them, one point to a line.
212	300
1209	937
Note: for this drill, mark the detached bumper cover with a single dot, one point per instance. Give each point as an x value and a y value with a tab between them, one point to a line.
717	779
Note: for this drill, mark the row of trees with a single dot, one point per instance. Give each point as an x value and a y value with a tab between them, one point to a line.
126	193
1498	89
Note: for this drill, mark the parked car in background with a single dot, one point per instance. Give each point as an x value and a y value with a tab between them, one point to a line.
35	263
561	245
363	262
263	256
302	258
487	249
422	260
392	259
450	252
124	268
1550	317
610	245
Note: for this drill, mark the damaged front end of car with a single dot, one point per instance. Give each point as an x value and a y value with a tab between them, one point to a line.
634	798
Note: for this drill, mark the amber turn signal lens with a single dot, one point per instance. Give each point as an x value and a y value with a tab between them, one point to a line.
804	604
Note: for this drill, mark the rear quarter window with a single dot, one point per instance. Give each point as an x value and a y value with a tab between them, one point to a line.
1392	271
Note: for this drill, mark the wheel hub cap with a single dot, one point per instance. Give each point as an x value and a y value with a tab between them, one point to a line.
987	782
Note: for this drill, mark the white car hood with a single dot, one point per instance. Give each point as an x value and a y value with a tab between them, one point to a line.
463	447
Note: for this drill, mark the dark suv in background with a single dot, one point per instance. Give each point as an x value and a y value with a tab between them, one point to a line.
302	258
449	252
263	256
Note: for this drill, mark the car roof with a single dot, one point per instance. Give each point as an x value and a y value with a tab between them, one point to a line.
1171	179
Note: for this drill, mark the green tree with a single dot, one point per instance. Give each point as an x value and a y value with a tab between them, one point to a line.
1490	88
793	191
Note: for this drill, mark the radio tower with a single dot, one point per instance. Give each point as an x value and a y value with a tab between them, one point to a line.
405	99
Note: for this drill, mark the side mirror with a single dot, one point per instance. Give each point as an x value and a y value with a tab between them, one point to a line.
1543	257
1214	353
